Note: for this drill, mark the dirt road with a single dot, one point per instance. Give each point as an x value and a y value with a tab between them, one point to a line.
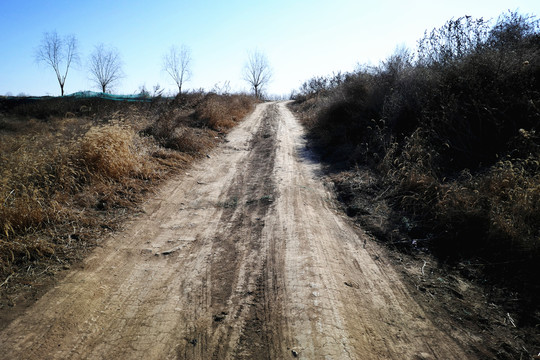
244	257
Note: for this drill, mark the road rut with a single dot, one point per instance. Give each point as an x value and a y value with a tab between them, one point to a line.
244	257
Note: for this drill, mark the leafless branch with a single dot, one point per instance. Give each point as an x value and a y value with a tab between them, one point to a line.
177	63
257	72
59	53
105	67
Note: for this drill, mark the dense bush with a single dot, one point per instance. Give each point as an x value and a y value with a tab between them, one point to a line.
453	132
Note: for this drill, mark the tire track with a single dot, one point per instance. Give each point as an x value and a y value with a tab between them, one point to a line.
238	251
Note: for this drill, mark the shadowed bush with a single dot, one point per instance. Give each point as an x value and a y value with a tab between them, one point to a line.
452	135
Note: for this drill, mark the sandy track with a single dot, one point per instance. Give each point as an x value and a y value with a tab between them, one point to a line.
243	258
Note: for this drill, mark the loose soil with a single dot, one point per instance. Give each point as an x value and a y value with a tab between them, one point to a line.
246	256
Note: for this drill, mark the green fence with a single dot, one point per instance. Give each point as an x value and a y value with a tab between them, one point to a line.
93	94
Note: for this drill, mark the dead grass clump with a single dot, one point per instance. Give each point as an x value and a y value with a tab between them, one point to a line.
493	218
193	130
30	168
191	140
413	165
29	175
171	159
108	151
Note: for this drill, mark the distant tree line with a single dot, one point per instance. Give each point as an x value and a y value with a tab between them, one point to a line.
105	64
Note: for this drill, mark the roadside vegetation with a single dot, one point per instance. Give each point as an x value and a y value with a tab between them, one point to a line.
439	150
72	169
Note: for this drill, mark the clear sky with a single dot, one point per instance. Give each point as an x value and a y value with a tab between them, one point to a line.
300	38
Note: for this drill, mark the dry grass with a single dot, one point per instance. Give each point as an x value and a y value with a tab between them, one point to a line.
198	127
64	180
506	198
191	140
108	151
42	175
223	112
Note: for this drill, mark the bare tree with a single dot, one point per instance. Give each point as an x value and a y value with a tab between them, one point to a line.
105	67
257	72
59	53
177	63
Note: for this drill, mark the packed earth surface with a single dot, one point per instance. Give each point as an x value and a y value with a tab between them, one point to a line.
247	256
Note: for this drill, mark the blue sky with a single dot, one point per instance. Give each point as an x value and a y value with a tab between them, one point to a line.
300	38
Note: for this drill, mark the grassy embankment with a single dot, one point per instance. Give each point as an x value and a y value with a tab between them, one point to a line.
71	169
441	150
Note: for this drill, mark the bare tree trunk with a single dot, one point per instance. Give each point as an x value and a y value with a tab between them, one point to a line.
55	51
257	72
177	63
105	67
